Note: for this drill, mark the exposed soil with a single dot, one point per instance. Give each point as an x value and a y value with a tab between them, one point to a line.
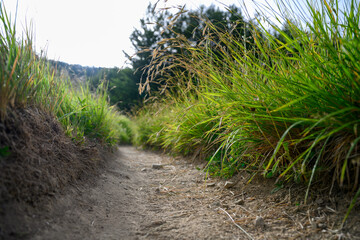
52	188
145	195
38	159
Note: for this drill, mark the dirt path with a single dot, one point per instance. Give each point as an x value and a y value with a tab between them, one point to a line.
143	195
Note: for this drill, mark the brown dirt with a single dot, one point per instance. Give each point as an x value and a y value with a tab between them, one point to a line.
54	189
145	195
37	161
42	159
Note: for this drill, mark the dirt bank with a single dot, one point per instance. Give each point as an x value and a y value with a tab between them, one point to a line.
144	195
37	158
38	161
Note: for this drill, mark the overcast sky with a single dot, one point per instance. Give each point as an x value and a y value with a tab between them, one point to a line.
88	32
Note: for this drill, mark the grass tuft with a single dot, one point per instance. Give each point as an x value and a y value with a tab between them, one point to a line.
283	102
27	80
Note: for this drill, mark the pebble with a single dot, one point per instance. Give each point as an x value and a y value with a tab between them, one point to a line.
259	222
319	201
157	166
314	225
240	202
215	205
229	184
322	225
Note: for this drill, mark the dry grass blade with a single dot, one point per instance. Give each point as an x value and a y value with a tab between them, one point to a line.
237	225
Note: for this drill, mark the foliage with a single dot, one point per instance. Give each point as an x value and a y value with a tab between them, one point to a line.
159	27
17	67
288	107
76	73
27	80
122	87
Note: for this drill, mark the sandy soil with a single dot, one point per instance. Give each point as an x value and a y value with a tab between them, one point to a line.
145	195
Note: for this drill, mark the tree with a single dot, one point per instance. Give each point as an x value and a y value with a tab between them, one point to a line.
156	27
122	87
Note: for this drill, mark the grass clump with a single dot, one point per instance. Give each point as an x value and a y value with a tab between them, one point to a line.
287	107
85	113
27	80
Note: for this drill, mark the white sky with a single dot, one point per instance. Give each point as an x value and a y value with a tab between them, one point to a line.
88	32
95	32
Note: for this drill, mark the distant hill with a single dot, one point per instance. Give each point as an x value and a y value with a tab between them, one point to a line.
76	73
121	84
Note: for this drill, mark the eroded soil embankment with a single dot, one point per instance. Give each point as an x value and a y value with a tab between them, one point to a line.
143	195
37	161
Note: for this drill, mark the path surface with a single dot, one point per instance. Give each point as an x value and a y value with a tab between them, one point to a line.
143	195
132	200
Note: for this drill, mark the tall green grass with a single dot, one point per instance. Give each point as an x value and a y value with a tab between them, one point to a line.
16	64
27	80
86	113
289	107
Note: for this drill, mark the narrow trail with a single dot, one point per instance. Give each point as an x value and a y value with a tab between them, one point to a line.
141	195
144	195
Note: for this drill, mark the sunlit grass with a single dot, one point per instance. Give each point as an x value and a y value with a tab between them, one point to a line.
27	80
289	107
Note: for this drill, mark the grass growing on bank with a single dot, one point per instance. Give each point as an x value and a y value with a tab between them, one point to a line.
85	113
26	80
288	108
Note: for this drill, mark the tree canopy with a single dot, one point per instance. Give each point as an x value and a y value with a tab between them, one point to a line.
157	27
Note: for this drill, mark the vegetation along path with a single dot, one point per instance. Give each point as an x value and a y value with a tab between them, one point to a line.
146	195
